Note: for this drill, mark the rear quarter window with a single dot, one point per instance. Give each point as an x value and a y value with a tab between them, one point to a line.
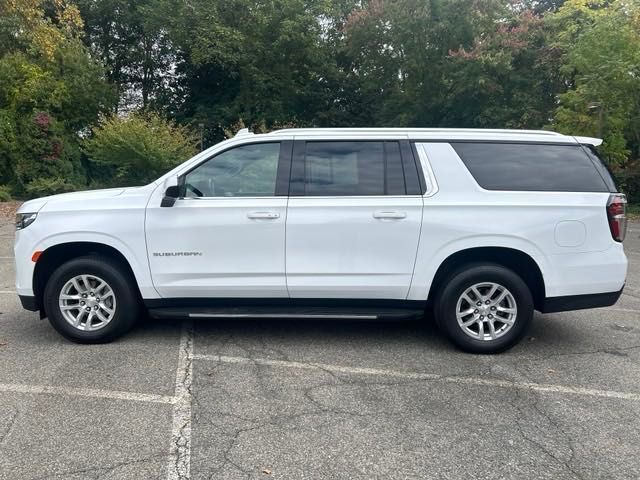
602	168
531	167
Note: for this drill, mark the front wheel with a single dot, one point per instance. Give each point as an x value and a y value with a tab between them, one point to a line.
91	300
484	308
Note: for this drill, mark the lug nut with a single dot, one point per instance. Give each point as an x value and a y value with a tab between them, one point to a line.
96	307
490	316
487	302
479	303
88	309
92	294
84	295
493	308
475	311
97	299
481	317
82	303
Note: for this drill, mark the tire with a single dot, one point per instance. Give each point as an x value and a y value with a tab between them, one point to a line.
89	272
510	315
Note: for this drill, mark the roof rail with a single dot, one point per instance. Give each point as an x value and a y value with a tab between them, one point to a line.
242	132
419	130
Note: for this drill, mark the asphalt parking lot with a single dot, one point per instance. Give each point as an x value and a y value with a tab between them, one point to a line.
315	400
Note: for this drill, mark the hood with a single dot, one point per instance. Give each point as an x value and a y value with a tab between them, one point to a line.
35	205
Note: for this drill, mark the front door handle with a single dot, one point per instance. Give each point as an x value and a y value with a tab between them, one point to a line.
390	214
263	215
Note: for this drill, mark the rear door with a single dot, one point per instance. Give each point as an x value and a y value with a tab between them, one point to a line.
353	219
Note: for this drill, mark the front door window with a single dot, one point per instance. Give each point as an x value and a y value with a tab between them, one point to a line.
245	171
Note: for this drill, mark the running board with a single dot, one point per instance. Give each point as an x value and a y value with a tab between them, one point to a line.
287	313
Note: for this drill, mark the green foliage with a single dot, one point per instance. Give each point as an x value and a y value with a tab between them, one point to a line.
573	66
130	37
401	59
601	41
41	187
50	89
5	194
137	149
265	62
633	211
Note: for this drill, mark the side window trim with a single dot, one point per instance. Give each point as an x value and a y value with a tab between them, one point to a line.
282	173
414	176
394	174
427	177
296	179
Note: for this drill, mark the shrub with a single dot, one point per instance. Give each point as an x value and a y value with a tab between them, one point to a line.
136	149
5	194
42	187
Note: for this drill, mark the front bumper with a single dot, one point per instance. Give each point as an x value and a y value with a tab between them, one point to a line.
580	302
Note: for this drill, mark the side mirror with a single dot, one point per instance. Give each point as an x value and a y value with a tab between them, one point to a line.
171	194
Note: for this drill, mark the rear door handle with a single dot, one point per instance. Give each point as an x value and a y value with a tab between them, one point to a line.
263	215
389	214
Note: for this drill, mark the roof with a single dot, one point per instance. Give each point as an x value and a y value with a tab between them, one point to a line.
435	134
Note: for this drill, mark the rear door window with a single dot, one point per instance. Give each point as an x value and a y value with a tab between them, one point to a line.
531	167
343	168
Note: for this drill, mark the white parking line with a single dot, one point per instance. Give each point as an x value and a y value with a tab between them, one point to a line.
180	452
86	392
487	382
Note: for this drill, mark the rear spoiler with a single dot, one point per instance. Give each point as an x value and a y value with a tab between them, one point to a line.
596	142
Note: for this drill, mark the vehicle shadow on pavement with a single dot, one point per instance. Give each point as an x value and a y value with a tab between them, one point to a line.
548	332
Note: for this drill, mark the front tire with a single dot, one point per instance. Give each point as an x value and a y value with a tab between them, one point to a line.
484	308
91	300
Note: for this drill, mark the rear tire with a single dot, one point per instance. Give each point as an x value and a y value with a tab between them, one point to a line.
72	300
484	308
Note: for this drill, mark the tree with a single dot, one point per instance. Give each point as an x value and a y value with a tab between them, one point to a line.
601	42
400	52
130	37
50	90
507	79
262	62
568	65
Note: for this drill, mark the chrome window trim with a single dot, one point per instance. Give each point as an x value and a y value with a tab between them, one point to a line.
317	197
429	177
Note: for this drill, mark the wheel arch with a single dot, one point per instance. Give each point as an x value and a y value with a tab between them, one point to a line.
516	260
56	255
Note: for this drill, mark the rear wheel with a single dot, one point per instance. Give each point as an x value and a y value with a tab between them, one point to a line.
484	308
91	300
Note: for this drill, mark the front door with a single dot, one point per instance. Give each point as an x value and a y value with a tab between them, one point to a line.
353	221
225	237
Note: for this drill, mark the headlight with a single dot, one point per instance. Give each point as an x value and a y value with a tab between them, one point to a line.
23	220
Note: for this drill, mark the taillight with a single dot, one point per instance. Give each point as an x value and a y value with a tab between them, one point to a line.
616	213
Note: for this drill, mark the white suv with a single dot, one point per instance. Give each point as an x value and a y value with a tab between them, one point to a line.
478	227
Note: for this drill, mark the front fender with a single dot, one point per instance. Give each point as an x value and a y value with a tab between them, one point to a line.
134	254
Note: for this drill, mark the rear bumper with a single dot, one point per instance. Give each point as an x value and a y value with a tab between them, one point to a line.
580	302
29	303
